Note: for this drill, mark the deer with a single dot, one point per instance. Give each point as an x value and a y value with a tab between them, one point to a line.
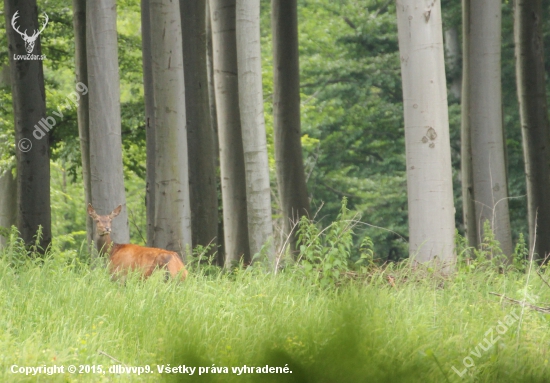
129	257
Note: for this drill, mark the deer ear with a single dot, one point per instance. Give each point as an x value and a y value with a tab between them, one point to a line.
116	212
91	211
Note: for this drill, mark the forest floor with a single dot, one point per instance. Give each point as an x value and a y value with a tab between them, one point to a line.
392	325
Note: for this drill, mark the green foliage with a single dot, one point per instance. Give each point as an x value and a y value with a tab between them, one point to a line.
489	248
520	257
489	255
15	253
327	255
202	260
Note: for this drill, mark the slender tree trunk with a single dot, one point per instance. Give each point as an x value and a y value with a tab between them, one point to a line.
235	221
200	135
428	149
452	50
172	210
258	193
211	89
286	116
31	129
149	119
467	173
485	106
8	203
531	85
214	122
83	112
104	108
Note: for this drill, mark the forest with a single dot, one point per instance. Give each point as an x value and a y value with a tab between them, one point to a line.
357	190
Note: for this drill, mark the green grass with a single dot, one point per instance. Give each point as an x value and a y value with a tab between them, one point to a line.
61	312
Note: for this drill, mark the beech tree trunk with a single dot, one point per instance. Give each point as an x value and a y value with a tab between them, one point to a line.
286	116
200	135
235	221
172	210
8	203
148	90
211	89
428	149
214	122
258	194
531	85
467	173
31	138
485	106
104	107
83	112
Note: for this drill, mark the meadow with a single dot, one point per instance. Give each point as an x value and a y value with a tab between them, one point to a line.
386	324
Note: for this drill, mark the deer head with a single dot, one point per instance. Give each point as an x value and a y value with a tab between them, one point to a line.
103	222
29	40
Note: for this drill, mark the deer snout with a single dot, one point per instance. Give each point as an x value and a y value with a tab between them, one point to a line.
105	231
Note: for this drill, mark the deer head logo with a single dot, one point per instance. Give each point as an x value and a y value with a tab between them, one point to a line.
29	40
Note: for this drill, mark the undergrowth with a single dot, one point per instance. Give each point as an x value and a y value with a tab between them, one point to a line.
336	315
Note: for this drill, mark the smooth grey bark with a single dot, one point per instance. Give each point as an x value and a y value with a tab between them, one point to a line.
8	203
29	107
172	210
251	104
149	98
104	107
214	122
200	135
235	221
83	112
467	178
291	179
428	148
211	88
535	128
487	137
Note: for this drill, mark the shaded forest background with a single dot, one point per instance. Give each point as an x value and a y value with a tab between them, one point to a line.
352	122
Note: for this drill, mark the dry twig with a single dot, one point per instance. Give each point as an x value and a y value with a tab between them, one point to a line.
545	310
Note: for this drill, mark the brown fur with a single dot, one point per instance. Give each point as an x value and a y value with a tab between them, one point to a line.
125	257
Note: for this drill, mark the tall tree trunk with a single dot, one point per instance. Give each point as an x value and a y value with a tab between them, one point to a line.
531	85
148	90
211	89
104	118
8	203
83	112
286	115
485	106
452	51
428	149
214	122
235	221
200	135
172	210
467	173
251	103
32	138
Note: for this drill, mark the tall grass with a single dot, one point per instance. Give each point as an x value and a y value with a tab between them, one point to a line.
392	326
